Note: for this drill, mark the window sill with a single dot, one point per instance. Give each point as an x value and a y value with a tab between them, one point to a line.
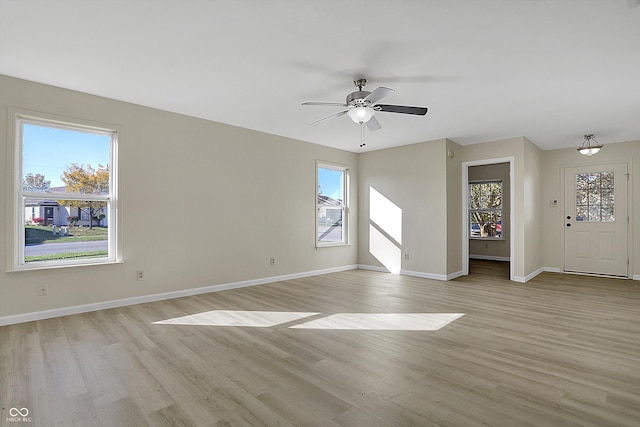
39	266
331	245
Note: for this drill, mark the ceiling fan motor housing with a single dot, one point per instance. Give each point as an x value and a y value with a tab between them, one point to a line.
357	98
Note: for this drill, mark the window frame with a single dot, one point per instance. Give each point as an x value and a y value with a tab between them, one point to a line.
471	210
19	119
345	203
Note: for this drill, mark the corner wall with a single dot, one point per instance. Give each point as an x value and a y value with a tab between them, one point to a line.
407	186
454	210
533	223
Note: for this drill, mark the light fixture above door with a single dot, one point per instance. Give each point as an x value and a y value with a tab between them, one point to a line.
589	146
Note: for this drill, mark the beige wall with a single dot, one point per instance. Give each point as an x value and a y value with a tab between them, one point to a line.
257	190
454	209
553	164
532	195
494	249
413	179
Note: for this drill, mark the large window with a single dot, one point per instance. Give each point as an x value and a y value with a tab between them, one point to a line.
485	209
331	205
66	193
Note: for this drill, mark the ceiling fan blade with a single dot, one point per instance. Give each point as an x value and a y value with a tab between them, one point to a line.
333	104
402	109
373	124
341	113
378	94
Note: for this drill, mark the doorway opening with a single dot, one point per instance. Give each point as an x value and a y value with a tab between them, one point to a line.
488	206
489	268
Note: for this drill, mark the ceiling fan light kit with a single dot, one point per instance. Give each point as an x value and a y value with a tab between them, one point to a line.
589	146
360	114
362	105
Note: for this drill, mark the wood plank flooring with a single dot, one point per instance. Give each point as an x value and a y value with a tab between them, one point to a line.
561	350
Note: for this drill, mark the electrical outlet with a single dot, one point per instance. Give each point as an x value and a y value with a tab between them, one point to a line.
43	290
272	261
140	275
406	256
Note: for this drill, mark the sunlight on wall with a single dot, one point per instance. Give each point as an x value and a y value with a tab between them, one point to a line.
337	321
384	250
382	321
385	214
257	319
385	231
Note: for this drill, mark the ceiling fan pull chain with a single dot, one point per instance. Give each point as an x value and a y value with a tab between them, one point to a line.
362	144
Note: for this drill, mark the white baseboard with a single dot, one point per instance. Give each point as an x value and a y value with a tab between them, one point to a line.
454	275
85	308
525	279
373	268
636	277
420	274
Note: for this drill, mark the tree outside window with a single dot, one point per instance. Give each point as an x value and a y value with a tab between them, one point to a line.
485	209
86	180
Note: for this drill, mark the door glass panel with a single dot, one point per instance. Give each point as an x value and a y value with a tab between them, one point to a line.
607	213
582	198
595	197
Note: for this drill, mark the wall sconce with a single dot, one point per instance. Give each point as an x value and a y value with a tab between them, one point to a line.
589	146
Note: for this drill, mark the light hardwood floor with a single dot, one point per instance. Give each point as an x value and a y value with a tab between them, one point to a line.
559	350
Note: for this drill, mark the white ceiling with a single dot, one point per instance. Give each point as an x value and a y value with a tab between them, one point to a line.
549	70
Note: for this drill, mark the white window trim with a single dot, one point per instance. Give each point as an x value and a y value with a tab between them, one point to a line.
501	210
16	251
345	204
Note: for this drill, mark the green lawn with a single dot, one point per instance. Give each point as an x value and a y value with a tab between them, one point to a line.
67	255
42	234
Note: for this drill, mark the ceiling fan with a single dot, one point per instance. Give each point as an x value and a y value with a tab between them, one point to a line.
362	105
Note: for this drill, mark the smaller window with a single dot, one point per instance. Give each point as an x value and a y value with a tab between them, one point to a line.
485	209
331	205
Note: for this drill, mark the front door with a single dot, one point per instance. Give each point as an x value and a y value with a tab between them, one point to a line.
48	216
596	219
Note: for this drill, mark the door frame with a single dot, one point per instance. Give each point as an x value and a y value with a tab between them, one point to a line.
465	210
563	170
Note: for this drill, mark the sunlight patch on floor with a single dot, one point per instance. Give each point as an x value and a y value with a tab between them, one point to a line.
256	319
338	321
382	321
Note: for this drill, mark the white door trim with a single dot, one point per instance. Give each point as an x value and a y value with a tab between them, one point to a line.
465	210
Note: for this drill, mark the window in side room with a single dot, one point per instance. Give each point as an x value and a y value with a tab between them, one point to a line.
485	209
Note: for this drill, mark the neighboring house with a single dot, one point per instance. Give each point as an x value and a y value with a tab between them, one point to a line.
54	214
48	210
329	210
